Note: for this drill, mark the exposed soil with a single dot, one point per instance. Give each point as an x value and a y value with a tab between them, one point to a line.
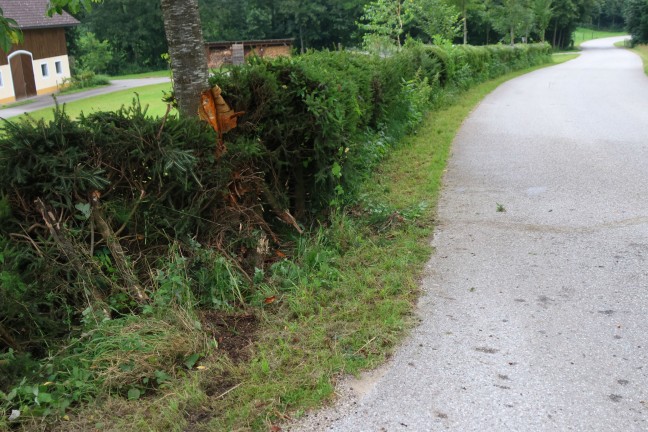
234	333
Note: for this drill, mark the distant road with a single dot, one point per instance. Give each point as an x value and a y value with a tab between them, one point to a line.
534	319
46	101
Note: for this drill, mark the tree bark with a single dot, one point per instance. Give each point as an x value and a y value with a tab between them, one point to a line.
187	51
465	24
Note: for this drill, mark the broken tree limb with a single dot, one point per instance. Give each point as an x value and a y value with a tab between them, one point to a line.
77	257
133	286
283	214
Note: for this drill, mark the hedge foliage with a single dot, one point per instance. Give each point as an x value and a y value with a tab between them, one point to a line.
118	213
312	113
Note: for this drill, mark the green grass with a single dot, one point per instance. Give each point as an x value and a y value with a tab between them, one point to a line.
642	50
148	95
154	74
350	302
583	34
17	104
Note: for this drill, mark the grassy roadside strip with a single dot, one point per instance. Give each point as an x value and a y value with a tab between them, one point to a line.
347	305
642	50
582	34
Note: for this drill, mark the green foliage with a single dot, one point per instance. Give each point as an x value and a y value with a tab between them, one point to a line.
92	208
383	22
84	79
311	23
127	356
10	34
636	14
93	55
134	30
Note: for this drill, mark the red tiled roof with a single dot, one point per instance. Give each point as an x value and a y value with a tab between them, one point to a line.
30	14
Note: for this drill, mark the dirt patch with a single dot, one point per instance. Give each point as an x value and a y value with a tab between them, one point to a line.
235	333
197	418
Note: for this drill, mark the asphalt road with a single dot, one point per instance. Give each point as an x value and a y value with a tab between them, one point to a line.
536	318
47	101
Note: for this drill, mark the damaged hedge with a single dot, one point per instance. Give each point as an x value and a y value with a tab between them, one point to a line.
118	215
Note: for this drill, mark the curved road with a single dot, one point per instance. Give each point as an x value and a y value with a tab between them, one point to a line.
46	101
533	319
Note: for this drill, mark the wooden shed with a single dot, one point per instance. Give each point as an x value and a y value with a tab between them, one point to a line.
234	52
40	63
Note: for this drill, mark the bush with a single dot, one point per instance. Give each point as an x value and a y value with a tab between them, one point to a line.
94	55
84	79
636	13
312	112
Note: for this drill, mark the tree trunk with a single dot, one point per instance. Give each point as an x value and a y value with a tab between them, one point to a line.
512	36
187	51
465	24
555	32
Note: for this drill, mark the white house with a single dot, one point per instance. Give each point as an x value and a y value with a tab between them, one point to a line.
39	64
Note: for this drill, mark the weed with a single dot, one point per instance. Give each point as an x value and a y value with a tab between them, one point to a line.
501	208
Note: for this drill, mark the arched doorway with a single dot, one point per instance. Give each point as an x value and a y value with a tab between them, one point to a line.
22	73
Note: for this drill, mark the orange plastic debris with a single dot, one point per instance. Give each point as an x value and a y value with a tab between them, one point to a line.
215	111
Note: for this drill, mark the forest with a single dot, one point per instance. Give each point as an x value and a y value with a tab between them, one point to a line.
132	29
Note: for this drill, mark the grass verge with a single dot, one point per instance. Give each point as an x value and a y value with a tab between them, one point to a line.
17	104
642	50
582	34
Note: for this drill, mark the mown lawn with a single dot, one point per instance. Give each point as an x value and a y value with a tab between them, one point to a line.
150	96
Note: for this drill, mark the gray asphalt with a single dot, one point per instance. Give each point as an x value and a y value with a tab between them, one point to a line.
536	318
47	101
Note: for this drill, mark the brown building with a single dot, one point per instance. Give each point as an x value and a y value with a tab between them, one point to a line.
39	64
221	53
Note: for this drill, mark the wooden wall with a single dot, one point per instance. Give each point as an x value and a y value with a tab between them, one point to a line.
42	43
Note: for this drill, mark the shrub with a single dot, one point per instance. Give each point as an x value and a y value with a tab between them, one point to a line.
84	79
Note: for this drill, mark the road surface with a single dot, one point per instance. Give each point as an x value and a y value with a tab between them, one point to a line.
47	101
536	318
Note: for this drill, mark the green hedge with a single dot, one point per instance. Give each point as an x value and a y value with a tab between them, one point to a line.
182	225
312	112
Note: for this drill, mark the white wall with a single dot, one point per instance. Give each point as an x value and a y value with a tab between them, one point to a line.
6	89
51	82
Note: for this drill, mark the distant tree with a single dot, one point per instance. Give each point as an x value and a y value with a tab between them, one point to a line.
512	17
542	11
433	18
636	16
305	18
464	7
94	55
135	30
383	23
